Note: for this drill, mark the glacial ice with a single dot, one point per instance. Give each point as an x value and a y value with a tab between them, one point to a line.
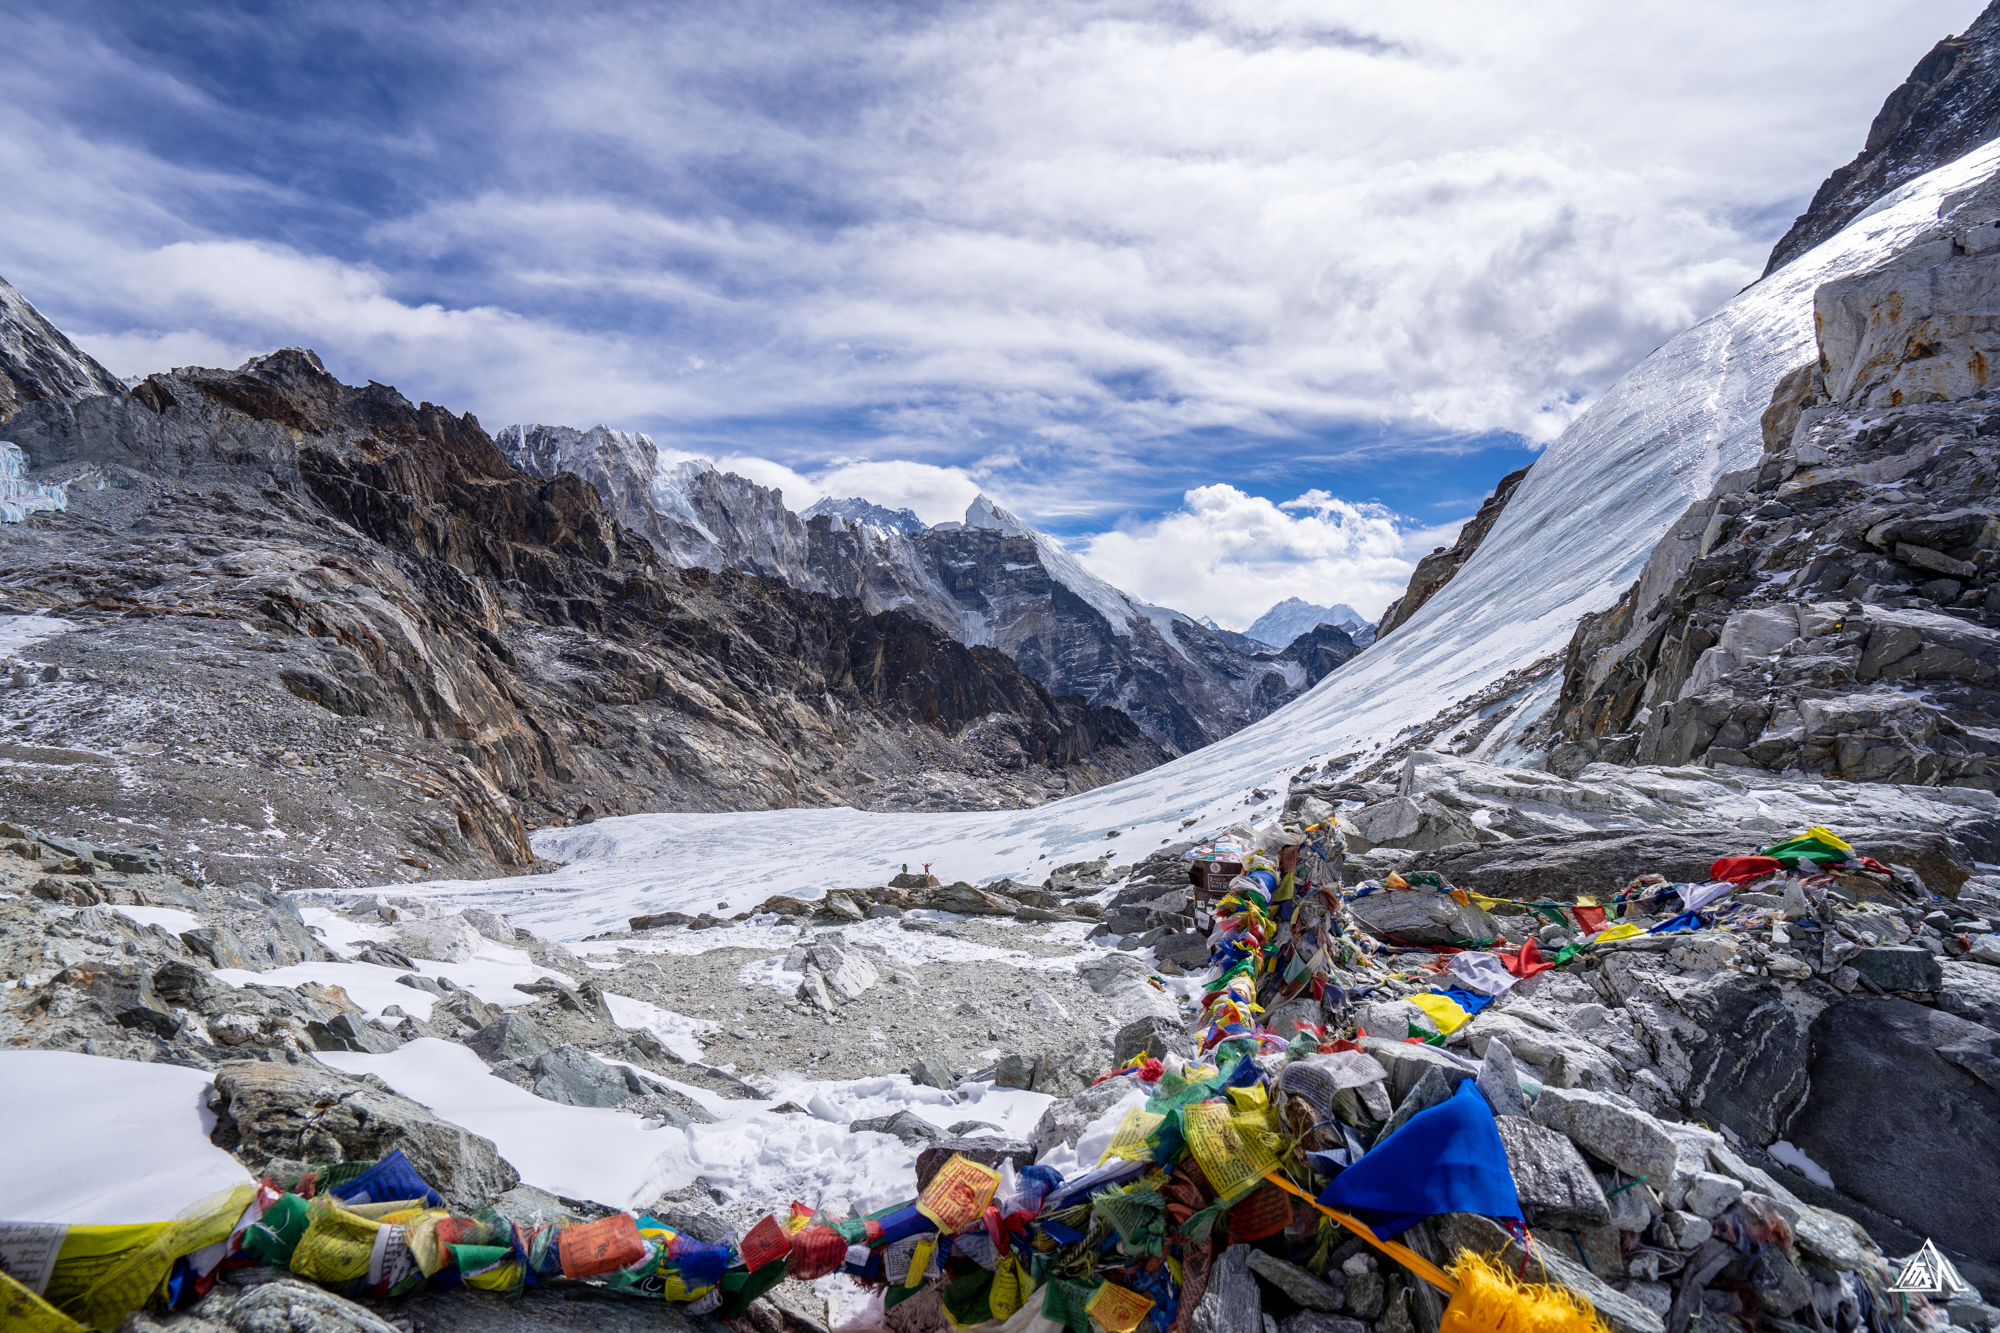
1573	537
20	497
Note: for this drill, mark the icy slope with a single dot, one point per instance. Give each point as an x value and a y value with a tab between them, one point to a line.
1568	543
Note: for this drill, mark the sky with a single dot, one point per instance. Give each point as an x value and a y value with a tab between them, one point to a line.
1241	300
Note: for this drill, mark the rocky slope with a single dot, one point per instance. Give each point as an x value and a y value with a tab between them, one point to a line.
298	615
990	581
1441	565
1948	106
1833	609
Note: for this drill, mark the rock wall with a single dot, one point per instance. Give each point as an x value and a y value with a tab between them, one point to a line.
1949	105
359	599
1834	608
1440	566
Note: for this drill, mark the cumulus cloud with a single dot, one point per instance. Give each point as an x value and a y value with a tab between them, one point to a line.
1232	556
1088	255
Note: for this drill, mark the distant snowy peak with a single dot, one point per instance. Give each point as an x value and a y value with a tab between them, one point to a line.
1295	616
859	513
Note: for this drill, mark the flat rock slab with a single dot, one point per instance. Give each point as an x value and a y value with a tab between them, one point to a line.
1556	1187
1422	916
1630	1140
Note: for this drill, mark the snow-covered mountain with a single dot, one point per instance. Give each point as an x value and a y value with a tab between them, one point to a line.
37	361
989	581
1295	615
1573	537
863	513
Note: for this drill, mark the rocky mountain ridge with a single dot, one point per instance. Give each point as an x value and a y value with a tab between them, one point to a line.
293	606
989	581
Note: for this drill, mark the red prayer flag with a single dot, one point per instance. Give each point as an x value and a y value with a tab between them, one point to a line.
1525	964
1743	869
1589	916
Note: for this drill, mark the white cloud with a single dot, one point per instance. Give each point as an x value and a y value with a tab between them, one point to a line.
1233	556
937	494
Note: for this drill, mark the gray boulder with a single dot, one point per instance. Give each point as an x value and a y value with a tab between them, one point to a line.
1232	1303
1500	1082
1312	1321
1299	1286
1902	967
265	1111
987	1150
1556	1187
288	1305
571	1076
1152	1035
1972	991
1731	1045
220	945
1064	1121
1628	1139
444	939
512	1036
1407	1063
905	1125
1422	916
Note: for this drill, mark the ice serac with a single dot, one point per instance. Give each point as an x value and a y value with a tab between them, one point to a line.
37	361
1948	106
1573	537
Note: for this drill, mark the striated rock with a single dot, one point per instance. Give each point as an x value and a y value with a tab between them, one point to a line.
1901	1123
1900	968
1557	1189
306	1112
1232	1303
1628	1139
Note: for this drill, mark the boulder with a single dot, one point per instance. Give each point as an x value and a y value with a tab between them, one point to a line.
490	924
265	1111
931	1072
288	1305
905	1125
1731	1045
968	901
1312	1321
125	994
1556	1187
509	1037
1433	1089
443	939
220	945
1901	1122
1232	1303
1299	1286
1408	1062
1064	1121
350	1032
1422	916
1902	967
848	972
1710	1195
1972	991
1394	1019
1626	1138
572	1076
1500	1081
987	1150
1152	1035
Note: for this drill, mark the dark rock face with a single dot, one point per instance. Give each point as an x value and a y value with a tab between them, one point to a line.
988	581
1946	108
1900	1124
37	362
1834	609
363	602
1442	565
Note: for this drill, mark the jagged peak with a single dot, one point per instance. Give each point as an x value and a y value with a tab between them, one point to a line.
37	360
863	513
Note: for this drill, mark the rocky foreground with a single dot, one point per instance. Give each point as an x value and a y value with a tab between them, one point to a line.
1747	1118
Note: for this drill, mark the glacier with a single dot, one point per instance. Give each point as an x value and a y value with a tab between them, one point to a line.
20	497
1573	537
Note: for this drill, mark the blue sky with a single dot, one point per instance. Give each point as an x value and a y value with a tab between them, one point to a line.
1244	300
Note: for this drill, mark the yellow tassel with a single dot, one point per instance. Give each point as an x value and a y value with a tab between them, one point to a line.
1492	1300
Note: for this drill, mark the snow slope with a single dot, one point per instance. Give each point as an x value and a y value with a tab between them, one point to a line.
1574	536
